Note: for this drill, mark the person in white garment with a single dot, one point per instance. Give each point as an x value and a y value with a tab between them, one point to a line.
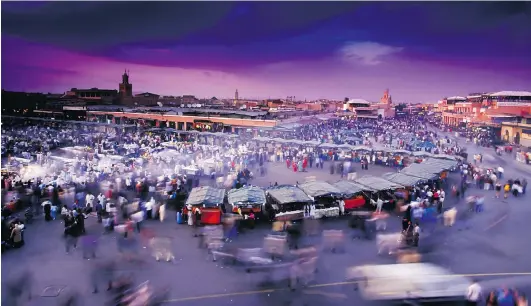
500	172
190	216
149	208
473	294
341	207
379	204
162	212
89	200
101	199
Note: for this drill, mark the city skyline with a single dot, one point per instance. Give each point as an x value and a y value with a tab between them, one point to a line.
421	51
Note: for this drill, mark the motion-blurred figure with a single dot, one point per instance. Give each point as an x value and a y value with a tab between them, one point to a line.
103	271
16	287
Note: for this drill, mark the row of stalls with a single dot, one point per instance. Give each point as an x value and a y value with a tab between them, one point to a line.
383	155
317	199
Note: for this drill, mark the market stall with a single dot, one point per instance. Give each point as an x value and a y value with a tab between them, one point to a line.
247	199
402	179
352	194
286	203
381	189
325	197
208	200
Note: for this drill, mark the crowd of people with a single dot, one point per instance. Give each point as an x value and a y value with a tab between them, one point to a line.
124	177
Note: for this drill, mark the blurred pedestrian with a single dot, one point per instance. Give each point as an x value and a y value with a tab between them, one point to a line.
102	272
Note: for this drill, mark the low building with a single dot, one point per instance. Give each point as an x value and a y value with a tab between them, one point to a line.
96	95
216	120
490	108
361	108
146	99
517	132
188	99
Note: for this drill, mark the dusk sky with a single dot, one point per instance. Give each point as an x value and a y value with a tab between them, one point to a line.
421	51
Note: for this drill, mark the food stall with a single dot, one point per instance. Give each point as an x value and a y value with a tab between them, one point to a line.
380	189
419	156
248	198
325	197
409	283
286	203
352	194
208	200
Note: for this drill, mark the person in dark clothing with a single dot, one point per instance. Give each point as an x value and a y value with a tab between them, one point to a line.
47	212
405	224
71	233
80	219
99	211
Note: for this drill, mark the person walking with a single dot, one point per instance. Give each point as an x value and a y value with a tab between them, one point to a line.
162	212
416	234
71	233
473	294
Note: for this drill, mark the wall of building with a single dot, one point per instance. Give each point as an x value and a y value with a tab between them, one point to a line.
146	100
510	131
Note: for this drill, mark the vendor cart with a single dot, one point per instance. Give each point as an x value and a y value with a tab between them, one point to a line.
247	199
286	202
208	200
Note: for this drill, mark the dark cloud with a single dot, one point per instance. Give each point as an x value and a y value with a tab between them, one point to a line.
188	33
92	25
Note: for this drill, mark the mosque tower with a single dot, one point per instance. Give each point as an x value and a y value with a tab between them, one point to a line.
386	99
236	98
126	88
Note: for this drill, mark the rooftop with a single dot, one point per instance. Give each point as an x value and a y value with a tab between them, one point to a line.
174	110
146	94
359	101
92	89
510	93
456	98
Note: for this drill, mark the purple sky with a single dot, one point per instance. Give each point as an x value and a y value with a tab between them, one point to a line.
421	51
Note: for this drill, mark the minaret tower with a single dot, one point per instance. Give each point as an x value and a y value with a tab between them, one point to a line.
386	99
126	88
236	97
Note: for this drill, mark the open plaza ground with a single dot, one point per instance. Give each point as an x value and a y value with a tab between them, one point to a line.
490	245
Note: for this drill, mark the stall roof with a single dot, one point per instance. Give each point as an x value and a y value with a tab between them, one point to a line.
288	194
424	172
361	148
350	187
318	188
377	183
279	140
402	178
206	195
260	138
400	151
421	153
73	121
445	156
446	163
345	146
328	145
246	195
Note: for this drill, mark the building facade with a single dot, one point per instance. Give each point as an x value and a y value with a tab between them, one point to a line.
94	95
491	108
517	132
